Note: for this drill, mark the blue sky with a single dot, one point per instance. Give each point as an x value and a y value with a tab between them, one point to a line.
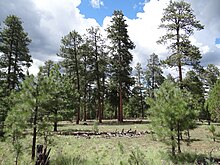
100	9
217	41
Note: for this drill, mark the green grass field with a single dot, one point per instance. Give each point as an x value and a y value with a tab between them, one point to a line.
109	150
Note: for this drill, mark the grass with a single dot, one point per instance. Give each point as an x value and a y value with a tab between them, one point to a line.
118	150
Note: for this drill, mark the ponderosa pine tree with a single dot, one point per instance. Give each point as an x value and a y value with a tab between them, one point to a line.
16	123
180	23
47	67
96	42
171	113
154	77
138	88
14	52
194	85
87	77
29	99
70	52
210	76
14	57
213	102
121	58
55	91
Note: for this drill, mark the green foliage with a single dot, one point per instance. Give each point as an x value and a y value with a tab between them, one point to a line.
96	127
97	44
56	103
16	123
121	58
137	157
14	50
171	113
210	76
213	102
212	130
153	74
70	52
194	85
14	59
4	108
180	23
69	160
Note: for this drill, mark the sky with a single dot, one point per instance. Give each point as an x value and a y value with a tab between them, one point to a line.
47	21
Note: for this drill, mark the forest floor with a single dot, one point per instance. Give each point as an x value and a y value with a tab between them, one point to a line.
110	143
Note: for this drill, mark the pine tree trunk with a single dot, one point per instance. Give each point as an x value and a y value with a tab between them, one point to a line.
98	82
35	125
10	64
172	143
179	58
14	82
178	138
142	105
121	104
153	79
116	112
16	158
102	97
55	121
84	112
78	87
34	133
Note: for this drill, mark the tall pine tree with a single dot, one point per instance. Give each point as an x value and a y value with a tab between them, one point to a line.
121	58
97	43
15	53
14	58
70	52
154	77
180	23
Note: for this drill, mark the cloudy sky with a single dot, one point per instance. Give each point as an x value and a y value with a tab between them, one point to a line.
46	21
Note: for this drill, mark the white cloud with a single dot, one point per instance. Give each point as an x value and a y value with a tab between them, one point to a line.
144	32
49	20
217	45
57	19
34	69
96	3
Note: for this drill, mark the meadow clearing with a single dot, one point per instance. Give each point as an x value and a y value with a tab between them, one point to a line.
111	143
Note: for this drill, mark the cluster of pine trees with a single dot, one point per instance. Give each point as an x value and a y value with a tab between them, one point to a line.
94	80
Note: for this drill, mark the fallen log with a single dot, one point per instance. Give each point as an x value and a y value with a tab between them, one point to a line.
123	133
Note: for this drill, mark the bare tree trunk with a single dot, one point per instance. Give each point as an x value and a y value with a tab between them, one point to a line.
121	104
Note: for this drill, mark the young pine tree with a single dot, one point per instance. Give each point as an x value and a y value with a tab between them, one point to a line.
171	113
16	123
213	102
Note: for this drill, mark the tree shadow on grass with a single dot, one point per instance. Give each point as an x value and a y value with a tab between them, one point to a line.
193	158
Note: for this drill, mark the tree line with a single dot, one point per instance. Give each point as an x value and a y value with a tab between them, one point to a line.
95	80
